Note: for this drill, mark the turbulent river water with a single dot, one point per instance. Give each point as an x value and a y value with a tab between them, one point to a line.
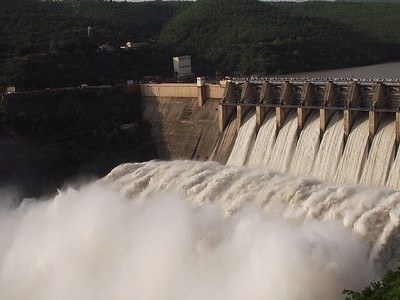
198	230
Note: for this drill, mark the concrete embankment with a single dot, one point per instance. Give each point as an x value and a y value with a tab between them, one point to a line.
184	118
226	142
182	129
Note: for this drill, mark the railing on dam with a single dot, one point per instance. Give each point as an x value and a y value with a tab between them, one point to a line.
338	81
350	96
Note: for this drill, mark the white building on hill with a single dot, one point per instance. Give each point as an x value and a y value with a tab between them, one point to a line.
182	66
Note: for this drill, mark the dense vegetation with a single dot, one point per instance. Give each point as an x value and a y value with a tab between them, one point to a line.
376	19
34	26
252	36
386	289
48	138
83	66
46	43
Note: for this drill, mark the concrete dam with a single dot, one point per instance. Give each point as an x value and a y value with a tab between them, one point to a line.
239	228
342	130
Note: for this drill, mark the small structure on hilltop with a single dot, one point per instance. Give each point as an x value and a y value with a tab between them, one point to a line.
10	89
182	66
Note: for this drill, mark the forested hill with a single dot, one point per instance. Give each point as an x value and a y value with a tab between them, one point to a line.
46	43
29	26
377	19
368	1
253	36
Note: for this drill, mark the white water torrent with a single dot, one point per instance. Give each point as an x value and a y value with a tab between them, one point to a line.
355	153
265	141
371	214
393	181
244	141
331	160
198	230
285	145
330	150
307	147
381	155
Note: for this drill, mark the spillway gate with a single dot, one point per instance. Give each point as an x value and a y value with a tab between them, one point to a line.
377	98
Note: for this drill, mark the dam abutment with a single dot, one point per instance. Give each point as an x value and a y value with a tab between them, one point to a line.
184	117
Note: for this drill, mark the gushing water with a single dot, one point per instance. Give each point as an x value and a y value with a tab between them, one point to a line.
367	212
394	175
381	155
244	141
224	147
332	159
355	153
265	142
330	150
307	148
285	145
198	230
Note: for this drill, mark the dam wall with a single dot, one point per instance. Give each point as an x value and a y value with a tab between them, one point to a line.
181	90
376	98
173	90
181	129
215	91
334	130
344	131
184	119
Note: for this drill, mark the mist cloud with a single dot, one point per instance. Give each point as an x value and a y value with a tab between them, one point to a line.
95	244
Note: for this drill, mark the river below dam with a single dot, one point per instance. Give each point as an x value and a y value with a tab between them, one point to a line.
198	230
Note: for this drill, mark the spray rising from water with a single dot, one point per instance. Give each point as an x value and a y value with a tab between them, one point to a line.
166	230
